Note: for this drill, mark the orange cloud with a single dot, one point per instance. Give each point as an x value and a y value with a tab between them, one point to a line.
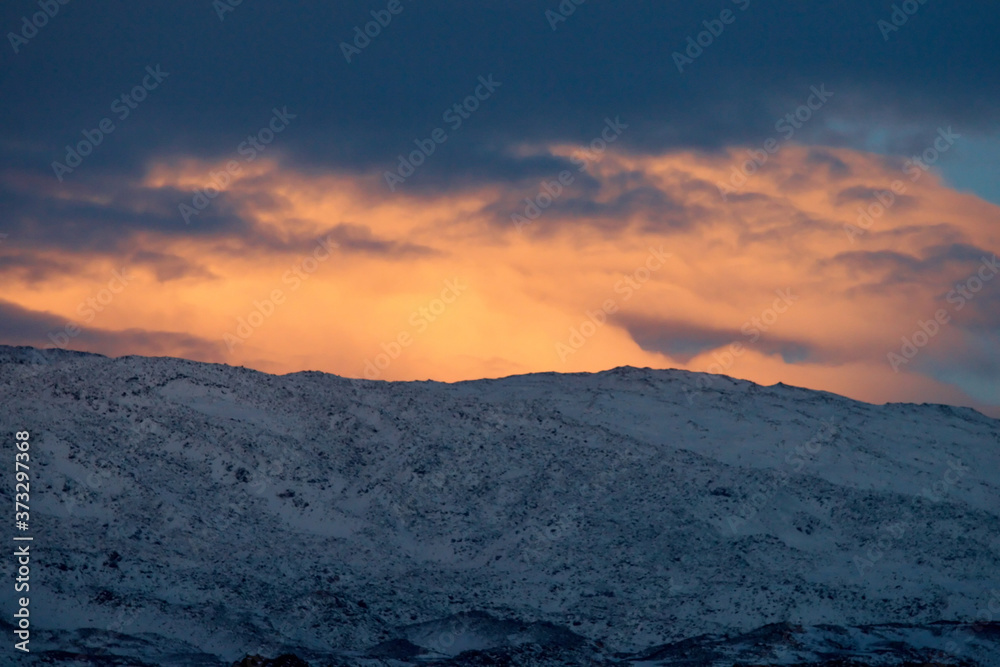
342	276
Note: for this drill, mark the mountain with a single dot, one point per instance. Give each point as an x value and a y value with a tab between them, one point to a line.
185	513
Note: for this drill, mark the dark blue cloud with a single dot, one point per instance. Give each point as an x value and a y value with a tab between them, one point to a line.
21	326
611	58
684	341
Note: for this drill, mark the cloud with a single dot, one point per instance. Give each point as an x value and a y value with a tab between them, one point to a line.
865	195
360	116
102	215
360	239
837	167
21	326
52	225
257	273
936	265
168	266
684	341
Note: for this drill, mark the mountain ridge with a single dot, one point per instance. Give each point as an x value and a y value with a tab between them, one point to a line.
35	353
224	509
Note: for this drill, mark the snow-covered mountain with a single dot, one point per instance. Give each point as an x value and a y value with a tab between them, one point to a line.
188	514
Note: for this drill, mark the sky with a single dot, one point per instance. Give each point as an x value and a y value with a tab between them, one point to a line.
407	190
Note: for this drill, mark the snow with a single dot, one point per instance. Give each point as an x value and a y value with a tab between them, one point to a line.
320	514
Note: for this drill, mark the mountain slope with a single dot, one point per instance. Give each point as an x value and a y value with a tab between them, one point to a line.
194	509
